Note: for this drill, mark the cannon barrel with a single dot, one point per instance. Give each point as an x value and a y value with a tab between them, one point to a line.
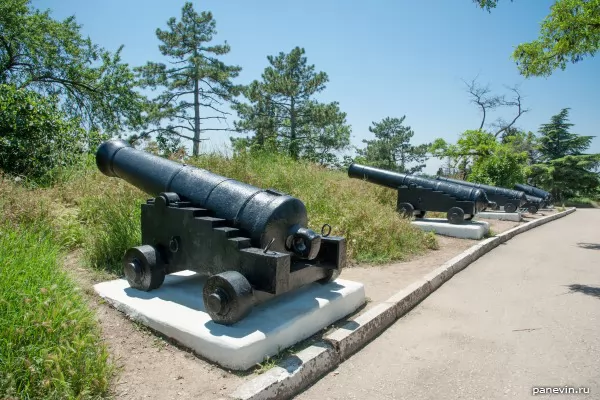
491	191
395	180
534	191
534	200
269	217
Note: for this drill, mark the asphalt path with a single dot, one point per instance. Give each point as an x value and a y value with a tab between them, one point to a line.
523	318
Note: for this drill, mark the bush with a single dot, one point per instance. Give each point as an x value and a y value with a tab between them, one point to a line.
35	136
50	346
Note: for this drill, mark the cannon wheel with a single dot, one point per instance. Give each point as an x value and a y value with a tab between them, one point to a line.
332	275
143	268
510	208
455	215
420	214
532	209
228	297
406	210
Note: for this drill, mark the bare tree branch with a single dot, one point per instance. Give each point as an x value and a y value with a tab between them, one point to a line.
515	102
482	98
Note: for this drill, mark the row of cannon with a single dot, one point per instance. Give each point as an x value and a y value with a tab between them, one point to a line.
253	244
460	200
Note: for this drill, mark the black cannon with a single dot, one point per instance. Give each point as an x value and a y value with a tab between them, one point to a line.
533	203
537	192
417	195
252	244
511	200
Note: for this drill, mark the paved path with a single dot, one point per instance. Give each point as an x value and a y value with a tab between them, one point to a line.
526	314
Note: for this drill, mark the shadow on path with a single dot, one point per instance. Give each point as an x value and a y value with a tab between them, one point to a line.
585	289
589	246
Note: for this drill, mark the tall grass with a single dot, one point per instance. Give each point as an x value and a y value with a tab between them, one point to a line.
49	342
363	213
101	214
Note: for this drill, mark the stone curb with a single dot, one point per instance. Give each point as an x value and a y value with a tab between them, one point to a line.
301	370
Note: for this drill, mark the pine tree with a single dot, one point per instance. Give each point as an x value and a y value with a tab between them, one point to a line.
391	149
564	169
283	110
196	71
556	141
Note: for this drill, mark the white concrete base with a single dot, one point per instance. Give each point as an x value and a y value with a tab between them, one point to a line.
177	311
469	230
502	216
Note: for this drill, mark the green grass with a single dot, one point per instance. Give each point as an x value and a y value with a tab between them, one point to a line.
50	347
582	202
361	212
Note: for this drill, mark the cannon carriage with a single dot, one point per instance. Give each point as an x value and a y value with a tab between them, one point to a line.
252	244
417	195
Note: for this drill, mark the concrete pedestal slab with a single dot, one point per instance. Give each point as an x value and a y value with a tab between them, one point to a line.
502	216
468	230
177	311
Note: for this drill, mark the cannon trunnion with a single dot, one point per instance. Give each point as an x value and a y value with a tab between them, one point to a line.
252	244
511	200
417	195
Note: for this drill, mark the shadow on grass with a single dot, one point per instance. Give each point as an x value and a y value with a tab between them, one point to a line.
585	289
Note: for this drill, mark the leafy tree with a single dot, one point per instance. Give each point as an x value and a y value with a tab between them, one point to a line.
282	111
481	158
196	71
563	168
35	135
391	149
52	58
570	33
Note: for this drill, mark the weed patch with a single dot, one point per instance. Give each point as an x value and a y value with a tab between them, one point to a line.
49	343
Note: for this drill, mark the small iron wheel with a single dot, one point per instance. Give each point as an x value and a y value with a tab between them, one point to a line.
532	209
143	268
420	214
332	275
510	208
228	297
406	210
455	215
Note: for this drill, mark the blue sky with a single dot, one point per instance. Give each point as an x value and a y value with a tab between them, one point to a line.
383	58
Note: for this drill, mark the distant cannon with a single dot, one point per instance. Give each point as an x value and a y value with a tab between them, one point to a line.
417	195
533	203
511	200
252	244
537	192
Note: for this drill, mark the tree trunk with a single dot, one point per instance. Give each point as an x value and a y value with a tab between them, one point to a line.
293	144
196	148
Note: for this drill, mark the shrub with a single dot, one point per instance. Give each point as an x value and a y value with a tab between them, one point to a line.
35	136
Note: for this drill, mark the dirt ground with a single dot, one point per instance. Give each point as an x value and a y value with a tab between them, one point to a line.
151	367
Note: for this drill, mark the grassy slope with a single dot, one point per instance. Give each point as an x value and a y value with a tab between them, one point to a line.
49	346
